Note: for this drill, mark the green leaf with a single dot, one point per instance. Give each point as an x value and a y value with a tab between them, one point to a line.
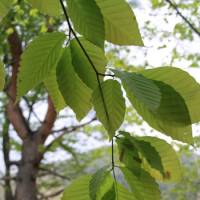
2	76
110	194
76	94
109	105
87	20
5	6
170	106
142	184
171	117
124	194
183	83
78	189
141	88
128	153
53	90
169	158
50	7
120	23
38	60
99	184
151	155
82	66
146	150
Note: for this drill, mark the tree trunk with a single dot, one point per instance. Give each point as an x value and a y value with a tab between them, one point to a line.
26	188
6	151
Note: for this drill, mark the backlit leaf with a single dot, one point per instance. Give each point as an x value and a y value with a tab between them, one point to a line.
141	88
171	116
120	22
99	183
82	66
53	89
109	105
87	20
183	83
169	158
146	151
38	60
78	189
142	184
75	93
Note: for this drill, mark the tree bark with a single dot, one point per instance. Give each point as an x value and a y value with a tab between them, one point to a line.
26	188
8	195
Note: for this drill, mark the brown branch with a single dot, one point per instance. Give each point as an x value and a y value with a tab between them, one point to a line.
47	125
13	111
183	17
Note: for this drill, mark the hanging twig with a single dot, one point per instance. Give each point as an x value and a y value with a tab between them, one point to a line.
67	130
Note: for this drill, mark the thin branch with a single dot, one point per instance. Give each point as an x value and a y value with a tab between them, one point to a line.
74	128
54	173
113	165
66	130
31	110
16	163
113	159
45	197
183	17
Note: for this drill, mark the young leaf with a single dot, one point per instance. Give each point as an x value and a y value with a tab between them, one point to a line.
78	189
100	183
50	7
82	66
109	105
53	89
120	23
142	184
183	83
87	20
38	60
76	94
2	76
170	161
5	5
